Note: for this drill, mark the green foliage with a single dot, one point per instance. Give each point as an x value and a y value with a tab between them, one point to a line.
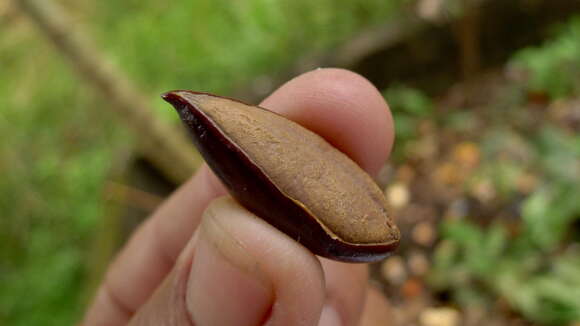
555	66
508	156
549	212
409	106
479	265
527	269
54	155
216	45
410	101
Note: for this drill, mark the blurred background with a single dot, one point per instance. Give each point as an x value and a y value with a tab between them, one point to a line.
484	179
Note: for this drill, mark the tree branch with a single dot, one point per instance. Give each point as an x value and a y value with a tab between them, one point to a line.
165	147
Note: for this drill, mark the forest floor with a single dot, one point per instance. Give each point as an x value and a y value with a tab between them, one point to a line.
489	170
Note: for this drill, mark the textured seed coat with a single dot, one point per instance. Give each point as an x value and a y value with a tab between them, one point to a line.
332	191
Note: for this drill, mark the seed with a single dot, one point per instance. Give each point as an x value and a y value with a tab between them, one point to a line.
290	177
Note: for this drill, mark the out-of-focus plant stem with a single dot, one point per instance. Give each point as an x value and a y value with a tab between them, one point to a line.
166	148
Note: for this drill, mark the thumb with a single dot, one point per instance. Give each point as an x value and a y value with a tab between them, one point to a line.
238	270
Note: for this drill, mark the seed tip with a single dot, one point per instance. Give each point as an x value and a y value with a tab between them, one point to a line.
175	99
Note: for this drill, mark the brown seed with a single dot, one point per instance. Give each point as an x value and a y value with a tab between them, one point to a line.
290	177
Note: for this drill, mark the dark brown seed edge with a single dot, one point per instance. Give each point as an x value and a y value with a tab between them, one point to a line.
248	184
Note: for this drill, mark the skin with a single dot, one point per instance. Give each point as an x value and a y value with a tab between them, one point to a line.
201	259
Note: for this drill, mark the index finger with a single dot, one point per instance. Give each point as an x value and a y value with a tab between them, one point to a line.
341	106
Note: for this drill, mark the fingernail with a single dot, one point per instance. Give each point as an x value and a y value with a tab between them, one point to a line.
329	316
226	286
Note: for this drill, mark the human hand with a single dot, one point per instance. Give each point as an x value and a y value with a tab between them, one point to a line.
205	261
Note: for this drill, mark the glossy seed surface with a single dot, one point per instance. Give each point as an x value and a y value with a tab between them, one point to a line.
325	200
